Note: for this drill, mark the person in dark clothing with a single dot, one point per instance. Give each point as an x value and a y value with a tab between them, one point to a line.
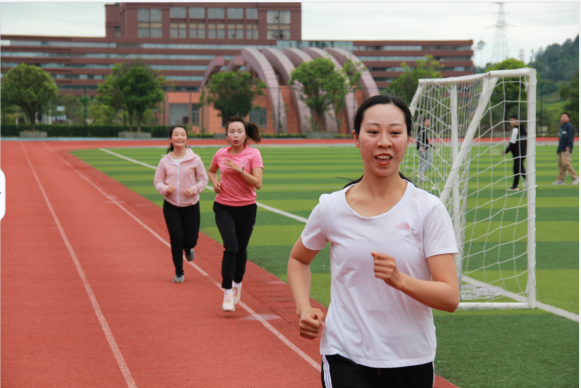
564	151
518	147
424	148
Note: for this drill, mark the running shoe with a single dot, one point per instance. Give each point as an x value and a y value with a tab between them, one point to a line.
558	183
228	304
576	181
190	255
178	279
513	189
236	291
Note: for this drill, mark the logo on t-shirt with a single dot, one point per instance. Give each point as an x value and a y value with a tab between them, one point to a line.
403	226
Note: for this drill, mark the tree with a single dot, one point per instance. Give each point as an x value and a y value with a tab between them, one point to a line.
141	90
557	62
570	93
321	87
30	88
233	92
405	85
73	107
133	87
508	95
352	73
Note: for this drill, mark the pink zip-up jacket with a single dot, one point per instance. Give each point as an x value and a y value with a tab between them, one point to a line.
189	174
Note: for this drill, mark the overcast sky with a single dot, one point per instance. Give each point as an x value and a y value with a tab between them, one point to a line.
531	25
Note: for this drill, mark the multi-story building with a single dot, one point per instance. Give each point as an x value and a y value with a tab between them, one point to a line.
188	42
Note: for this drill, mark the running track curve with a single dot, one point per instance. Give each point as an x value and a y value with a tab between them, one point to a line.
87	297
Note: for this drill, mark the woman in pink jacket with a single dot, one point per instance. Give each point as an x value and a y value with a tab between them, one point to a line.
180	178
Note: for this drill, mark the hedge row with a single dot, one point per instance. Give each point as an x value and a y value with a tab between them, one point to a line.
78	130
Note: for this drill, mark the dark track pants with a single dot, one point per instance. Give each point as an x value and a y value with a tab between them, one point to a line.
183	225
341	372
518	167
235	224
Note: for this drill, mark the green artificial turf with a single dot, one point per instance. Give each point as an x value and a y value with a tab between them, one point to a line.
519	348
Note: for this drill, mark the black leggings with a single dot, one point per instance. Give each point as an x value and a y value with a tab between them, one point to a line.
519	154
183	225
341	372
235	224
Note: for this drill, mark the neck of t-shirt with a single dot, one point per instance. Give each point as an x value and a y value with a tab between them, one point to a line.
239	151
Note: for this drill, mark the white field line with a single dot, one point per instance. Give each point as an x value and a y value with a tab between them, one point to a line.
290	215
104	325
244	306
543	306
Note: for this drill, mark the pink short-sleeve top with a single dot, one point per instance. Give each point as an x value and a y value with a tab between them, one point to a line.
236	191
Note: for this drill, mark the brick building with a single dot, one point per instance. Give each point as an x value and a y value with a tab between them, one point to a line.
188	42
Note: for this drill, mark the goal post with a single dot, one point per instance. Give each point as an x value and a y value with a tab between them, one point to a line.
465	167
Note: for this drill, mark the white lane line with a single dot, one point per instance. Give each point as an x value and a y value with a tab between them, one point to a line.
244	306
542	306
104	325
289	215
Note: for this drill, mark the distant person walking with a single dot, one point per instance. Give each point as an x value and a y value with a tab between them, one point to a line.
518	147
180	178
424	149
565	149
235	207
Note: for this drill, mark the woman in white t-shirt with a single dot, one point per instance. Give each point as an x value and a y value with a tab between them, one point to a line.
392	247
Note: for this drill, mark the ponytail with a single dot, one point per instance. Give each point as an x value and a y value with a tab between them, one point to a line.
170	149
251	129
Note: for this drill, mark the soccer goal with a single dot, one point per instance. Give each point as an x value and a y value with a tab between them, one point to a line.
465	167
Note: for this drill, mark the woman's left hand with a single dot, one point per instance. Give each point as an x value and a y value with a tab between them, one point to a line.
385	268
189	192
230	164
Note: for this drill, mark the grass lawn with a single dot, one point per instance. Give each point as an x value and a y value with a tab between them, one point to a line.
524	348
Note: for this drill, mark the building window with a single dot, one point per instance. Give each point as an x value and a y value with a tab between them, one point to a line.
211	31
179	114
272	32
155	15
216	13
197	13
198	30
117	32
235	13
235	31
178	30
272	17
220	33
285	17
284	32
177	12
195	114
258	116
251	31
149	23
252	13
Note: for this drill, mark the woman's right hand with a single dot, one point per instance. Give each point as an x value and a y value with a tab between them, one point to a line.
311	321
170	189
217	187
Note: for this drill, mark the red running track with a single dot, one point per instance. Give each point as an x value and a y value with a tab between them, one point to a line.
88	301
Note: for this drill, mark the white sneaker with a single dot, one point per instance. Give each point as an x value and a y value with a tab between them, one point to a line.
558	183
236	291
576	181
228	304
178	279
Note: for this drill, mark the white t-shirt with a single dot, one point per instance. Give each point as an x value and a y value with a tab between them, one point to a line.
368	321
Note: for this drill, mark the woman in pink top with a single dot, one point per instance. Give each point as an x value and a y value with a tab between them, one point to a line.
235	206
180	178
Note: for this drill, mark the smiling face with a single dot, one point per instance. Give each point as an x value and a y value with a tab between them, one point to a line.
179	137
236	134
382	139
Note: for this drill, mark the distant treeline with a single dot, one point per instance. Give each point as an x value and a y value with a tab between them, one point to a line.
557	62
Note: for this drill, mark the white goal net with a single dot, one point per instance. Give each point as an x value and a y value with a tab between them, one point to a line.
461	129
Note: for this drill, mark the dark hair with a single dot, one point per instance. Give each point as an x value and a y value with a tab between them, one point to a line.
522	131
251	129
376	100
566	113
170	149
514	117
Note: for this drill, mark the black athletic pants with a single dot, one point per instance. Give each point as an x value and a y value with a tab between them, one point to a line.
340	372
519	154
235	224
183	225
